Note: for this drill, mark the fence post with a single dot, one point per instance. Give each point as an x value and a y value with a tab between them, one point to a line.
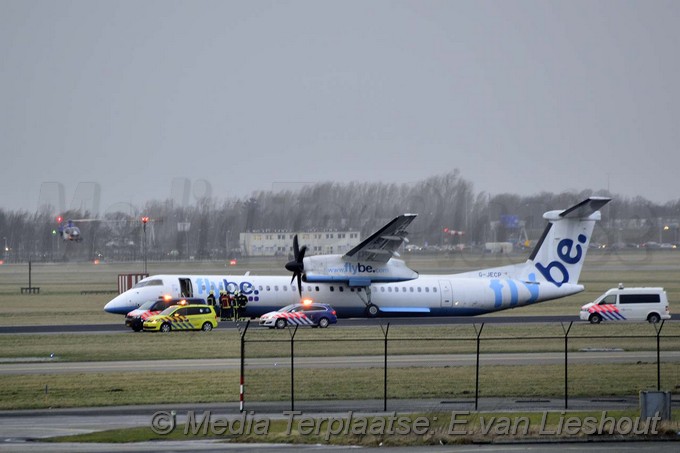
566	363
658	355
385	331
292	366
479	333
243	359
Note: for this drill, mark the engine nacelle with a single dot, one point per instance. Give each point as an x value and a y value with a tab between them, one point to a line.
333	268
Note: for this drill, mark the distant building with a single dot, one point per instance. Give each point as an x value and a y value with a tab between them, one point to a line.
280	243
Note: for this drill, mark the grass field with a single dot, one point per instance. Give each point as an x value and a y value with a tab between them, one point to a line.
60	302
103	389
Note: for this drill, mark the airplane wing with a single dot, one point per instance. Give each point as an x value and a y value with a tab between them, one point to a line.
380	246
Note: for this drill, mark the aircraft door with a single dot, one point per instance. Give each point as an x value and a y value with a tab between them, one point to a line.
446	293
186	288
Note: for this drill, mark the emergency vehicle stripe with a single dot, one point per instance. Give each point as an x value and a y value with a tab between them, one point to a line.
609	312
300	319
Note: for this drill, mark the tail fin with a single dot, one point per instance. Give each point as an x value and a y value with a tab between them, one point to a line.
559	254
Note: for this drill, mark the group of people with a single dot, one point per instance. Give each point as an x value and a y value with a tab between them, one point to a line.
229	305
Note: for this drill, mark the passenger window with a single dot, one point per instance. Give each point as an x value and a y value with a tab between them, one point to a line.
332	289
276	288
427	289
382	289
341	289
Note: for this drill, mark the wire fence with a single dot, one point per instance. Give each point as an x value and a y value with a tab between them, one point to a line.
470	361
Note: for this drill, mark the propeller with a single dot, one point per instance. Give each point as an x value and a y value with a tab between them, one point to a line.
296	266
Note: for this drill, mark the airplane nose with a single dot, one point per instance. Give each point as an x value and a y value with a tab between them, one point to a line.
117	305
110	306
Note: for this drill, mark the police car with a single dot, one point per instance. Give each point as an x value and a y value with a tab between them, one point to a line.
135	319
183	317
305	314
628	304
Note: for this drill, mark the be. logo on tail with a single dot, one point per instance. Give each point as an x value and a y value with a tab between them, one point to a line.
568	253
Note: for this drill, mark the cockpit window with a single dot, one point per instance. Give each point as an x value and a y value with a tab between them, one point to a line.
144	283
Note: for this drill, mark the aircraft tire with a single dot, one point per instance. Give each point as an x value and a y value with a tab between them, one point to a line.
206	327
372	311
165	327
595	318
323	323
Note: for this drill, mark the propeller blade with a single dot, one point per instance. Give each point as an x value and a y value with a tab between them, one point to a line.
296	266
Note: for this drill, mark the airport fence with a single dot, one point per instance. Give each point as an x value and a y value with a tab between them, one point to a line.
463	362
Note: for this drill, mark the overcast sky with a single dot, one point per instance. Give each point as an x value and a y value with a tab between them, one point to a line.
521	96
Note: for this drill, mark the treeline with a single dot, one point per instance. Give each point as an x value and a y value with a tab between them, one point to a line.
210	228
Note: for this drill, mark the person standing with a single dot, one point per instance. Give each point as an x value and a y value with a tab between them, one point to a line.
225	306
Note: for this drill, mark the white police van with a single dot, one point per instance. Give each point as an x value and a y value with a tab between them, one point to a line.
628	304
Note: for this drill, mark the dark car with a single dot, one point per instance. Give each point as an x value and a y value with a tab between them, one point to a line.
307	314
135	319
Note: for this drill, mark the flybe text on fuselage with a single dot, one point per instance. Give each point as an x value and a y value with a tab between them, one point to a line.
358	268
205	285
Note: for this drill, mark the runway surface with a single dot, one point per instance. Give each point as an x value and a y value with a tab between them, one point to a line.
428	360
342	323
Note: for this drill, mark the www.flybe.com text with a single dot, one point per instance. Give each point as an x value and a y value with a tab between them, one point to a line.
358	268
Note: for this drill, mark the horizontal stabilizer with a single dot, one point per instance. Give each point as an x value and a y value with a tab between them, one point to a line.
585	208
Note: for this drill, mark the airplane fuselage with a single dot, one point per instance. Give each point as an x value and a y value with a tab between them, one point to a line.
430	295
355	287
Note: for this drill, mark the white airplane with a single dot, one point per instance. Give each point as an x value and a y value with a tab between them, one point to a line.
370	280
